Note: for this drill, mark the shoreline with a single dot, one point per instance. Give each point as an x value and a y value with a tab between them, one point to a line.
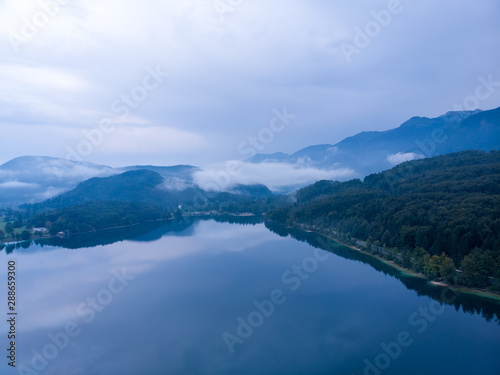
409	273
404	271
187	215
33	238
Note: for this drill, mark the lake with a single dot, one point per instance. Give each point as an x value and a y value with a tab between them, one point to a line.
213	297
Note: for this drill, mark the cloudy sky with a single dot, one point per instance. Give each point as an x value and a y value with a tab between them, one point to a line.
122	82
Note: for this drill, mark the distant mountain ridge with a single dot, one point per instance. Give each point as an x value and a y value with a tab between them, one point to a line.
419	137
32	179
29	179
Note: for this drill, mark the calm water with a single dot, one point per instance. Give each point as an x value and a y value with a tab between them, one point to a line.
208	297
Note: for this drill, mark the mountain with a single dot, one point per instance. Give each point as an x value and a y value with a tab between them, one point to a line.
269	158
149	187
182	172
31	179
419	137
36	178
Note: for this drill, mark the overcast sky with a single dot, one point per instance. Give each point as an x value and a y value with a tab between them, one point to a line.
169	82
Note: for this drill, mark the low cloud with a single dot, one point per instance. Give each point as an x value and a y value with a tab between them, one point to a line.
18	185
73	170
276	176
50	192
401	157
175	184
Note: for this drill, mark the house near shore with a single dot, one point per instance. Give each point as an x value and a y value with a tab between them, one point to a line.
41	230
64	234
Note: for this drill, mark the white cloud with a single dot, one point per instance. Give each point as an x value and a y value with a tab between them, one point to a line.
50	192
276	176
123	146
41	78
18	185
152	139
229	72
69	169
174	184
401	157
47	93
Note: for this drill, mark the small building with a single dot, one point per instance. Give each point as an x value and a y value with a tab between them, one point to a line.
64	234
41	230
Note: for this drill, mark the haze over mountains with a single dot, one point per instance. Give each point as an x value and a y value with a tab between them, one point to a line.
419	137
31	179
147	186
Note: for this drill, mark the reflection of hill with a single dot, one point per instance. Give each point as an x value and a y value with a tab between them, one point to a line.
145	232
240	220
471	304
182	228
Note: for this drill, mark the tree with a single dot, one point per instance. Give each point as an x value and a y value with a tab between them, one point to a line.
2	235
448	270
470	270
17	224
386	238
25	235
433	266
420	257
368	244
9	229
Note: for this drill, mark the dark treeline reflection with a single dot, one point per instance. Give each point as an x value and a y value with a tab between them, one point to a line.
488	309
146	232
153	231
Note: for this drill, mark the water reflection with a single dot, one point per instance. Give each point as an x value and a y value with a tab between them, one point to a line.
469	303
148	232
192	280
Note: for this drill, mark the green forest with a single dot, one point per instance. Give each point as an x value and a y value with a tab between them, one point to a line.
433	216
98	215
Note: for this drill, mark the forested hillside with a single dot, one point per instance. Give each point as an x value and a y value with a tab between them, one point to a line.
150	187
98	215
431	215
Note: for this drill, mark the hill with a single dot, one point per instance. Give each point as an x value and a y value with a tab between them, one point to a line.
98	215
446	207
32	179
150	187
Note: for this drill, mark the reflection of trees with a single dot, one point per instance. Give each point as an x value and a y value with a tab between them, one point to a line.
9	248
240	220
472	304
144	232
185	227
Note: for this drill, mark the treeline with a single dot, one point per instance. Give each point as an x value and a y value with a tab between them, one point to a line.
432	215
98	215
226	203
